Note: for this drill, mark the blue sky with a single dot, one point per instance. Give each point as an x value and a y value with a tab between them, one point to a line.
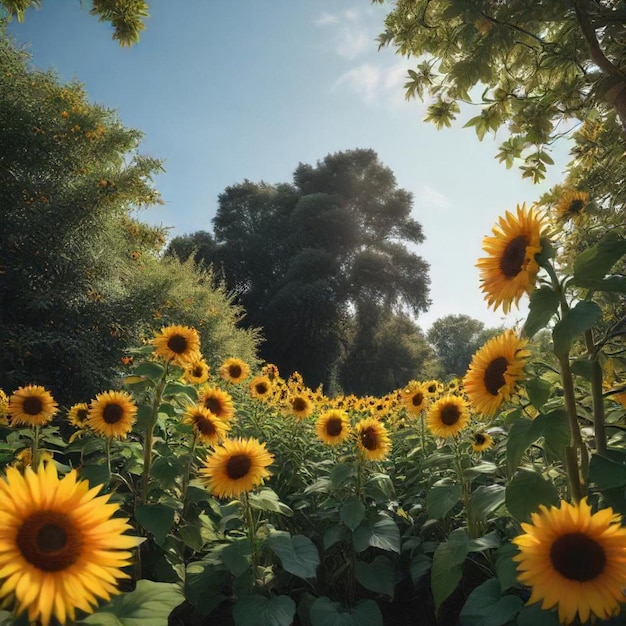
225	90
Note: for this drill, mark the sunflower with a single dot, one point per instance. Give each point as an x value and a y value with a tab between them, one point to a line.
301	405
433	387
179	344
260	387
571	204
510	269
271	371
448	416
32	405
234	370
575	560
414	398
333	426
196	372
372	439
78	415
209	428
112	414
481	442
61	548
4	408
217	401
494	372
237	466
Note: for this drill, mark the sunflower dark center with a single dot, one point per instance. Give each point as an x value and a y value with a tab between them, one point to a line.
197	371
214	405
82	414
494	375
177	344
417	399
575	206
205	426
234	371
513	257
334	426
369	440
112	413
50	541
450	415
238	466
32	405
432	388
299	404
578	557
479	439
261	388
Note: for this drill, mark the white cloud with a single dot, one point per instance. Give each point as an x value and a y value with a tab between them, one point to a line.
427	197
352	41
365	80
326	18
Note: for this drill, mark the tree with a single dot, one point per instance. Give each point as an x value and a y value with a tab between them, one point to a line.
307	259
126	16
80	277
456	338
532	68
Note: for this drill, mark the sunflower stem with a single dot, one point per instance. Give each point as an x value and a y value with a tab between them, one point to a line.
35	454
471	526
147	446
597	401
251	524
185	486
107	448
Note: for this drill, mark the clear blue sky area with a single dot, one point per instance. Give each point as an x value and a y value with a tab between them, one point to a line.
227	90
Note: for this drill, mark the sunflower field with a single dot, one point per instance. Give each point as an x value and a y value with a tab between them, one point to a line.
230	495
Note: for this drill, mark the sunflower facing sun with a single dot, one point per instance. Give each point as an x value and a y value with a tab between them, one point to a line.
112	414
372	439
448	416
32	406
219	402
197	372
333	427
510	269
179	344
494	372
236	467
208	428
61	548
234	370
571	204
414	398
574	560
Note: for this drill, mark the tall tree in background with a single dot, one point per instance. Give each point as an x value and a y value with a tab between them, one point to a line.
312	259
456	338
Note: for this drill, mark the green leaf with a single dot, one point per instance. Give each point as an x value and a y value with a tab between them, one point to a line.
298	554
486	606
341	473
383	533
506	567
523	432
167	470
539	390
526	491
257	610
157	519
352	512
266	499
573	324
556	433
485	500
203	585
236	557
174	388
152	370
441	499
95	474
325	612
595	262
534	615
420	566
607	473
542	305
191	536
334	534
150	604
378	576
447	567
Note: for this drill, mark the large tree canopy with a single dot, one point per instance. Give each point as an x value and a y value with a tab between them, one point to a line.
531	67
309	258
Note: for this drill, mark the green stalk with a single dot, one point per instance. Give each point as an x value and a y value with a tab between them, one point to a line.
597	401
251	527
471	526
148	442
185	485
107	447
35	449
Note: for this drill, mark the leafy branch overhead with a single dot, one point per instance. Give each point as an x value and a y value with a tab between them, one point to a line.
535	69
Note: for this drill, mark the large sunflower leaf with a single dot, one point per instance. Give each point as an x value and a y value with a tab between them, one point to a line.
486	606
523	432
377	576
150	604
534	615
441	499
257	610
325	612
383	533
352	512
593	264
266	499
447	565
298	554
573	324
157	519
542	306
526	491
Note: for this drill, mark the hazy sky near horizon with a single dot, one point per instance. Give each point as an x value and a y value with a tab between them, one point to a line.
227	90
